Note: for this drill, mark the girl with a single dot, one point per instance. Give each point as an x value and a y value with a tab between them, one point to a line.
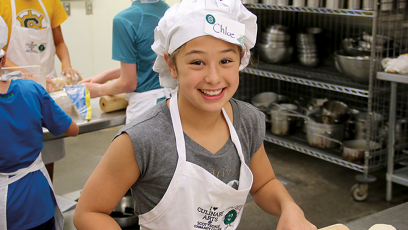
192	160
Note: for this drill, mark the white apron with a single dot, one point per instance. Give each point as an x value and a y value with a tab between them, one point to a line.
29	46
141	102
25	49
5	180
196	199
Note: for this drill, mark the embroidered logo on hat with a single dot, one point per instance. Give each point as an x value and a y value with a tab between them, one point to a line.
225	29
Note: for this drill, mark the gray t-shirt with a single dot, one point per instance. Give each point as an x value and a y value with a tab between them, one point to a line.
154	145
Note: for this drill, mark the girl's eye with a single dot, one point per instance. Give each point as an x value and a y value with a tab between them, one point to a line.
225	61
197	63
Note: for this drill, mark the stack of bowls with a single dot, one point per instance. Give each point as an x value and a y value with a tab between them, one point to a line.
306	42
275	45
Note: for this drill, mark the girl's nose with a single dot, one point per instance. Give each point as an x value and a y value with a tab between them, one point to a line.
213	76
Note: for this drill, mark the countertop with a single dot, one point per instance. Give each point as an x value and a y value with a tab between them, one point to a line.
396	216
99	120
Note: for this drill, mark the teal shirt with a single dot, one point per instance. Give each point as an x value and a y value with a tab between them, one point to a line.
133	35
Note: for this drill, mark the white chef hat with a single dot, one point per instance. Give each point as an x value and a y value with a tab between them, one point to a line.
192	18
3	35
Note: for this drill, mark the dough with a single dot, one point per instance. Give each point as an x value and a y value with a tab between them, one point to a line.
382	227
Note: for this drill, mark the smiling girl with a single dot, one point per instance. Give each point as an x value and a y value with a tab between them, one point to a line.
191	161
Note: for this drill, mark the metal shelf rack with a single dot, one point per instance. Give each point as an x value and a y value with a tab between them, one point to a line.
400	175
295	80
343	12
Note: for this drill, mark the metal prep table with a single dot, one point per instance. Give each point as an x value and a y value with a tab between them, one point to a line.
396	216
98	121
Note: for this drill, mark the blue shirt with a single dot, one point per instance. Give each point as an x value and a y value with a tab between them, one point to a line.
24	110
133	35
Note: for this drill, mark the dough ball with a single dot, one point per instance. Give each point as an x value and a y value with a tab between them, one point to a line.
382	227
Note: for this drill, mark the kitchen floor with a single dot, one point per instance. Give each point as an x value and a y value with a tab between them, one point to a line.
321	189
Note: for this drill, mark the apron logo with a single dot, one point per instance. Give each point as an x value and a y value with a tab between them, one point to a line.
34	48
41	47
215	220
32	19
31	47
230	217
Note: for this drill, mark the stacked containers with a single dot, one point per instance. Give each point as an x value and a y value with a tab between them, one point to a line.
275	45
308	53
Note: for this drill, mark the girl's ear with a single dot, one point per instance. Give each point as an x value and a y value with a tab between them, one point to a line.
242	54
171	65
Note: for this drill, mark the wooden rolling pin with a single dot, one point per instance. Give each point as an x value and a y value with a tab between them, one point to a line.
113	103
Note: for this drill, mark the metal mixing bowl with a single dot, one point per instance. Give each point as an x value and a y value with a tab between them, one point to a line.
264	100
357	68
273	54
309	59
275	37
124	214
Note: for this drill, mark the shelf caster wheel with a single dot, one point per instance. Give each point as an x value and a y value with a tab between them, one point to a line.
359	192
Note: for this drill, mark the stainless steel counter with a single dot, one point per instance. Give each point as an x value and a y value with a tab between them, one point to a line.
396	216
98	121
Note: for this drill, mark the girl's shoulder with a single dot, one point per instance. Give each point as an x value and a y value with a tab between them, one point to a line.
244	110
155	120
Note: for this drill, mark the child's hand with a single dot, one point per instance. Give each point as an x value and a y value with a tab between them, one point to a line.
50	84
93	88
294	219
71	73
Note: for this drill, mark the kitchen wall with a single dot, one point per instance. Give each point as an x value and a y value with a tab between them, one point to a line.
89	37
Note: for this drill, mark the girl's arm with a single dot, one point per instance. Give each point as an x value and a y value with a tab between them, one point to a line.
272	197
115	174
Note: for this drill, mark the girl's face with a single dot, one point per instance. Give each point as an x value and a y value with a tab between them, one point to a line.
207	69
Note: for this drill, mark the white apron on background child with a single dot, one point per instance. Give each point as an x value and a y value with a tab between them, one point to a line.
27	47
5	180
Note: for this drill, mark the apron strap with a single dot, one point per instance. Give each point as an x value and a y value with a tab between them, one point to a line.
5	180
35	166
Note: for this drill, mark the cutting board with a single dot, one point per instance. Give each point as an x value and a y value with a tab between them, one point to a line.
335	227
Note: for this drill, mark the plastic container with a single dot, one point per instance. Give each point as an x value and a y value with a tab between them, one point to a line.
32	72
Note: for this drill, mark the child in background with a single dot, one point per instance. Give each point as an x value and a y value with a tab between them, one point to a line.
191	161
27	199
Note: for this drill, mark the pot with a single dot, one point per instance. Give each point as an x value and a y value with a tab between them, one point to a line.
323	135
334	112
353	150
361	124
282	122
319	134
124	214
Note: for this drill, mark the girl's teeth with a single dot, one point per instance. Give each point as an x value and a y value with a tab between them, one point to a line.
211	93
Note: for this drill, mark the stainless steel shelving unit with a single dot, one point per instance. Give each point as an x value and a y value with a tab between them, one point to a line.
295	80
343	12
400	175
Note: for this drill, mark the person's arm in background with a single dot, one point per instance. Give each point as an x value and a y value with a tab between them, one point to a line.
9	63
103	77
72	130
127	82
63	54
